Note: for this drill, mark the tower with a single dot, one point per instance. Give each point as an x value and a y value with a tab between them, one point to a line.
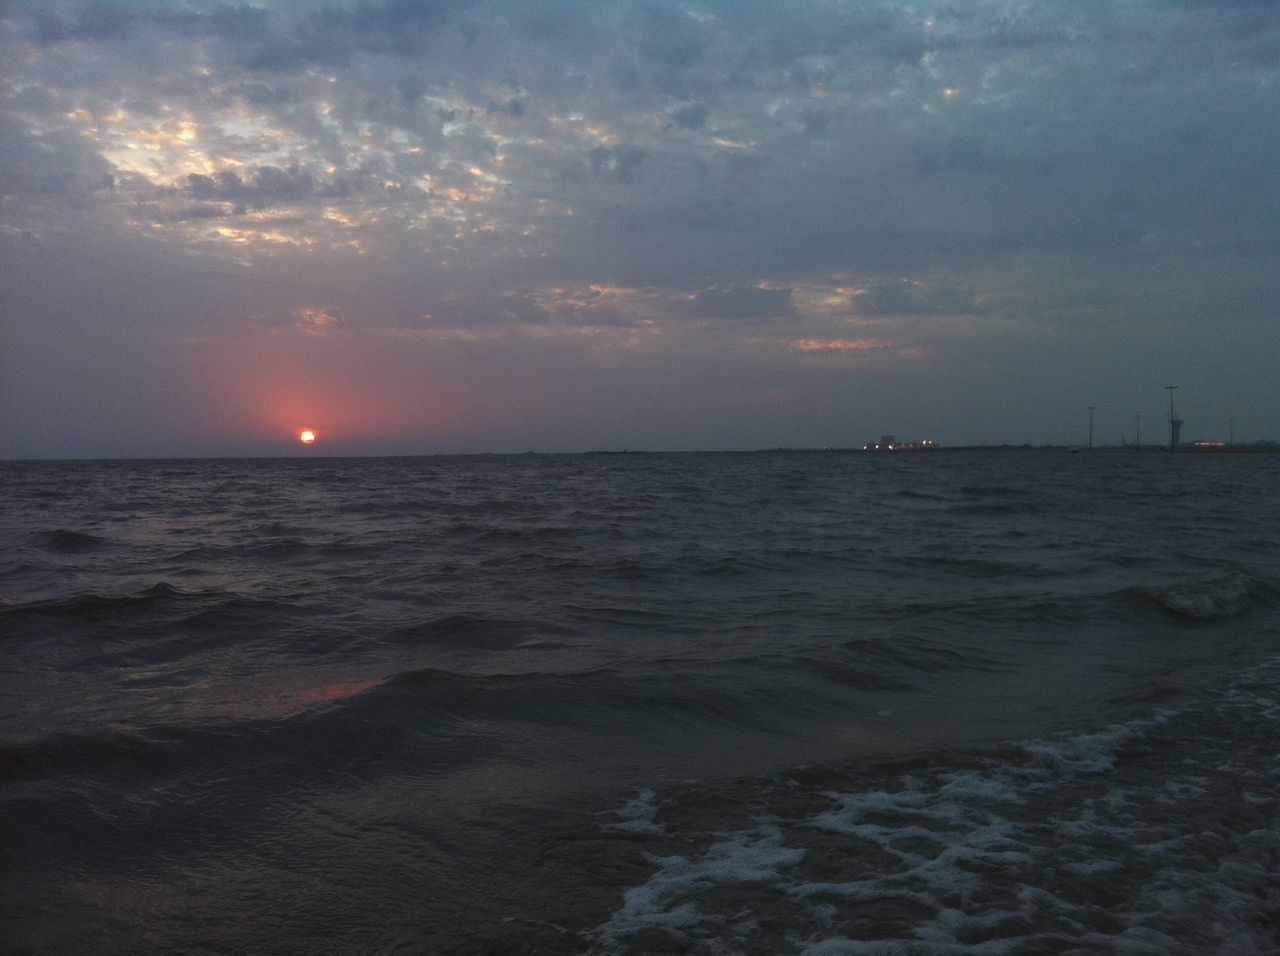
1175	423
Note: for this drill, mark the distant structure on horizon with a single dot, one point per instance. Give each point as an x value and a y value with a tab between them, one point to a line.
1175	423
889	443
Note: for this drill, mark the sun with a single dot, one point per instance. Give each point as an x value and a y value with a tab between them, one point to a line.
306	436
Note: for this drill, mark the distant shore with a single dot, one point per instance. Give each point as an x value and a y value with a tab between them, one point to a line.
1253	448
1267	447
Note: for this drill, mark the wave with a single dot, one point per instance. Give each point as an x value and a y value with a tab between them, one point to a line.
995	508
979	568
162	610
846	675
429	721
64	541
93	606
1002	492
592	700
1207	599
283	548
922	656
476	630
917	495
1156	835
279	550
997	610
60	753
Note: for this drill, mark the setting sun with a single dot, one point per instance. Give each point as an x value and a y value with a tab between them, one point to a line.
306	436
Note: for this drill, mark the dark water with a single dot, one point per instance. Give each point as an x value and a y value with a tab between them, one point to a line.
768	703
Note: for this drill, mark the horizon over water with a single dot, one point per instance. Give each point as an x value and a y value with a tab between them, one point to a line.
299	451
728	702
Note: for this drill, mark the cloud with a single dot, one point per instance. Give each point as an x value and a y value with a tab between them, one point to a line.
843	345
200	211
742	302
52	166
690	115
815	121
670	35
512	108
261	94
266	186
101	20
318	321
910	297
1041	166
618	163
332	35
93	22
480	309
271	40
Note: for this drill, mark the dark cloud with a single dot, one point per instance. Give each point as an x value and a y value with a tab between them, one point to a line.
199	211
94	21
618	163
690	115
103	20
272	40
260	94
265	186
56	162
273	183
742	302
909	297
512	108
206	187
669	35
478	309
411	89
311	43
815	121
333	34
961	154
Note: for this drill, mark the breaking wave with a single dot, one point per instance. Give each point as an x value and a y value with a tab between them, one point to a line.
1155	836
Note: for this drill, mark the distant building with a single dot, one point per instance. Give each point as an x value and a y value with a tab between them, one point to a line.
889	443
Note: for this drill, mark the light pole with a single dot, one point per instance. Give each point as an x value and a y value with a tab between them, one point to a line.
1090	428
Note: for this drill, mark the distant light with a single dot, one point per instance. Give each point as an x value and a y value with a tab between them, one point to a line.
306	436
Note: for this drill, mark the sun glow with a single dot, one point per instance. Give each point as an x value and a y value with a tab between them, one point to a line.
306	436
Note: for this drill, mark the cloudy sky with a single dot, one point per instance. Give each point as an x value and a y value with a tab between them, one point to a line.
452	226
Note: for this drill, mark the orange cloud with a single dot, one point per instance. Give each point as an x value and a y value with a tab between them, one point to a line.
841	345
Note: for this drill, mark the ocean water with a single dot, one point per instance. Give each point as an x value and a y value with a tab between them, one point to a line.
821	703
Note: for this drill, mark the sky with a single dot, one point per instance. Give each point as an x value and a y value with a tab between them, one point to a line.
454	227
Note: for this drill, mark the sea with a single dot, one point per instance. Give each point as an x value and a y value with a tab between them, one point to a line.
952	701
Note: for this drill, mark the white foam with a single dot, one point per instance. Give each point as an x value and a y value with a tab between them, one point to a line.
1208	599
751	856
1016	855
639	815
1085	753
